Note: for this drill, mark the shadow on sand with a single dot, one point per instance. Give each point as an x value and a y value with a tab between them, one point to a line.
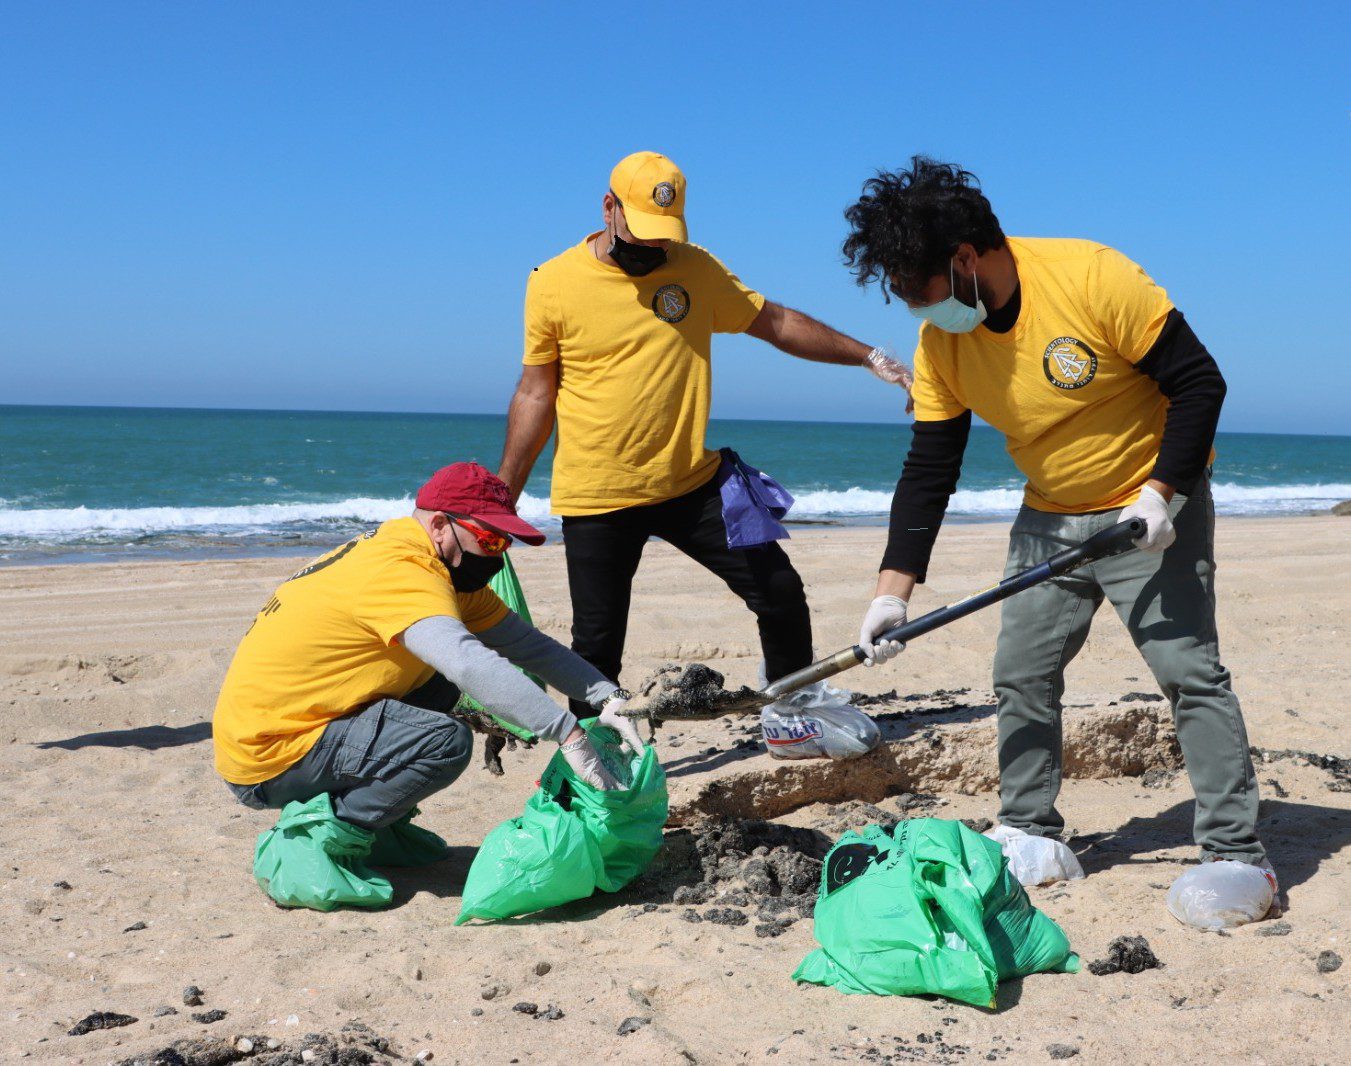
149	737
1299	838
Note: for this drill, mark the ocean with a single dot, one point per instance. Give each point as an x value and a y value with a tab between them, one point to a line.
92	483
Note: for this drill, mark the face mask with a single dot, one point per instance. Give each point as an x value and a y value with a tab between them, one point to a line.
635	259
951	315
473	572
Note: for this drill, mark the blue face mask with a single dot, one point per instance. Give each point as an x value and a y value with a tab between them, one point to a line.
951	315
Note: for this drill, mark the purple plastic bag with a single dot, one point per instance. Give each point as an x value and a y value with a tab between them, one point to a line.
752	503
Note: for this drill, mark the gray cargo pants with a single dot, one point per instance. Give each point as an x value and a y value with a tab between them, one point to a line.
1167	602
376	764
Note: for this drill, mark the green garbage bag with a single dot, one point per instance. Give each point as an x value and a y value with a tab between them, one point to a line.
311	858
508	588
406	844
571	839
929	907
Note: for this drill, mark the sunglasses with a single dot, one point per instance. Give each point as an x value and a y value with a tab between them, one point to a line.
491	541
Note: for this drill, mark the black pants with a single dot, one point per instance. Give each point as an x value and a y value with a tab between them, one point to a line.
603	553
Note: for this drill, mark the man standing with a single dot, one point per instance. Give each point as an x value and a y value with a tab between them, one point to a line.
343	684
1109	404
618	337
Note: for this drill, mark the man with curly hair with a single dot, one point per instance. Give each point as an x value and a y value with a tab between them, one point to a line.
1109	404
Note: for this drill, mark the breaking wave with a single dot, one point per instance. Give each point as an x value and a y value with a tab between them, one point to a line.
319	522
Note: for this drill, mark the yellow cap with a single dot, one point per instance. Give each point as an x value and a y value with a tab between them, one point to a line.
652	190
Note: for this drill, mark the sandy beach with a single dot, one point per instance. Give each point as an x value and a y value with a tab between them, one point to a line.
127	874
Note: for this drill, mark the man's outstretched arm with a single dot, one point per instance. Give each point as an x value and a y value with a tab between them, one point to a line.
530	420
803	336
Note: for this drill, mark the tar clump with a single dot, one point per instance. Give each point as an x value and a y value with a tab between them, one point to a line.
103	1019
1126	954
694	693
772	868
355	1045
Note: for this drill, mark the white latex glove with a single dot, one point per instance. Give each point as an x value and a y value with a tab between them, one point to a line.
885	612
893	372
626	728
890	370
1153	508
581	756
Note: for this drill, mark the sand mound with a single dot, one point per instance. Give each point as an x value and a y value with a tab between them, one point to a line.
952	752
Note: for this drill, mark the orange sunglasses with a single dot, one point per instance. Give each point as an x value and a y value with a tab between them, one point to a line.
491	541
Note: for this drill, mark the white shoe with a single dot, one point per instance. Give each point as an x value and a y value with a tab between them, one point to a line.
1035	860
1223	894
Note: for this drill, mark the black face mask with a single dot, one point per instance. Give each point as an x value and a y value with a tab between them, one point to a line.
635	259
473	572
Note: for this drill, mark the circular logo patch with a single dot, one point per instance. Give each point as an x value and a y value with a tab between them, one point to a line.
850	861
664	194
1069	363
671	303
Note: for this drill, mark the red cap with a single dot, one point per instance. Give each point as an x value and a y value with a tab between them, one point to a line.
469	489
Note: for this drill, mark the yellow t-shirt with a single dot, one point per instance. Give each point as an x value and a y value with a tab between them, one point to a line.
325	645
635	375
1080	421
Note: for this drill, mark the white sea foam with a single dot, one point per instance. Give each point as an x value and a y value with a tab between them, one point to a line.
63	525
847	503
1229	499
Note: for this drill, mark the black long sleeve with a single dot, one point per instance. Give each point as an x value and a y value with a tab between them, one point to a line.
928	480
1187	374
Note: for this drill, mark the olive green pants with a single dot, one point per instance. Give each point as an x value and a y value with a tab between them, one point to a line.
1167	602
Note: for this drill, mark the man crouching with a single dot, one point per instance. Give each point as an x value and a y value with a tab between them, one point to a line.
339	695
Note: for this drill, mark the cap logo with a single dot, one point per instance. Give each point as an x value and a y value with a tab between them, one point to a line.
671	303
495	491
664	195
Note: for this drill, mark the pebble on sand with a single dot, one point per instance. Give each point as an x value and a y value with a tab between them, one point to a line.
1329	961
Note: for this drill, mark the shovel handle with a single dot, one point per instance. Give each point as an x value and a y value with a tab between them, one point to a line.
1111	541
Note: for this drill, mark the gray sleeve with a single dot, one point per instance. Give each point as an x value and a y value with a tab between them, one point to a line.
539	653
443	643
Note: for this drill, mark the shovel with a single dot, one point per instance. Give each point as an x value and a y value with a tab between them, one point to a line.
1111	541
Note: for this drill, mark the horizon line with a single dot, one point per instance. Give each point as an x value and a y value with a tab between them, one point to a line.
493	414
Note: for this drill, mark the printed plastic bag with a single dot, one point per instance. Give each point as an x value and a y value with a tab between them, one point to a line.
508	588
1035	860
816	722
928	908
1221	895
572	838
311	858
406	844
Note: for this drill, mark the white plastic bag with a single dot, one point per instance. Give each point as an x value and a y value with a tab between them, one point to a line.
1221	895
816	722
1035	860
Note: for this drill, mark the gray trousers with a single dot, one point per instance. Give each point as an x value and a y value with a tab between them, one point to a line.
1167	602
376	764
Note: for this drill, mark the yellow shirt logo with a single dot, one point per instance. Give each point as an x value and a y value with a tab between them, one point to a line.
671	303
1069	363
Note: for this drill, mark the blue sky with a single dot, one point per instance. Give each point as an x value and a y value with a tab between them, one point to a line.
335	205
